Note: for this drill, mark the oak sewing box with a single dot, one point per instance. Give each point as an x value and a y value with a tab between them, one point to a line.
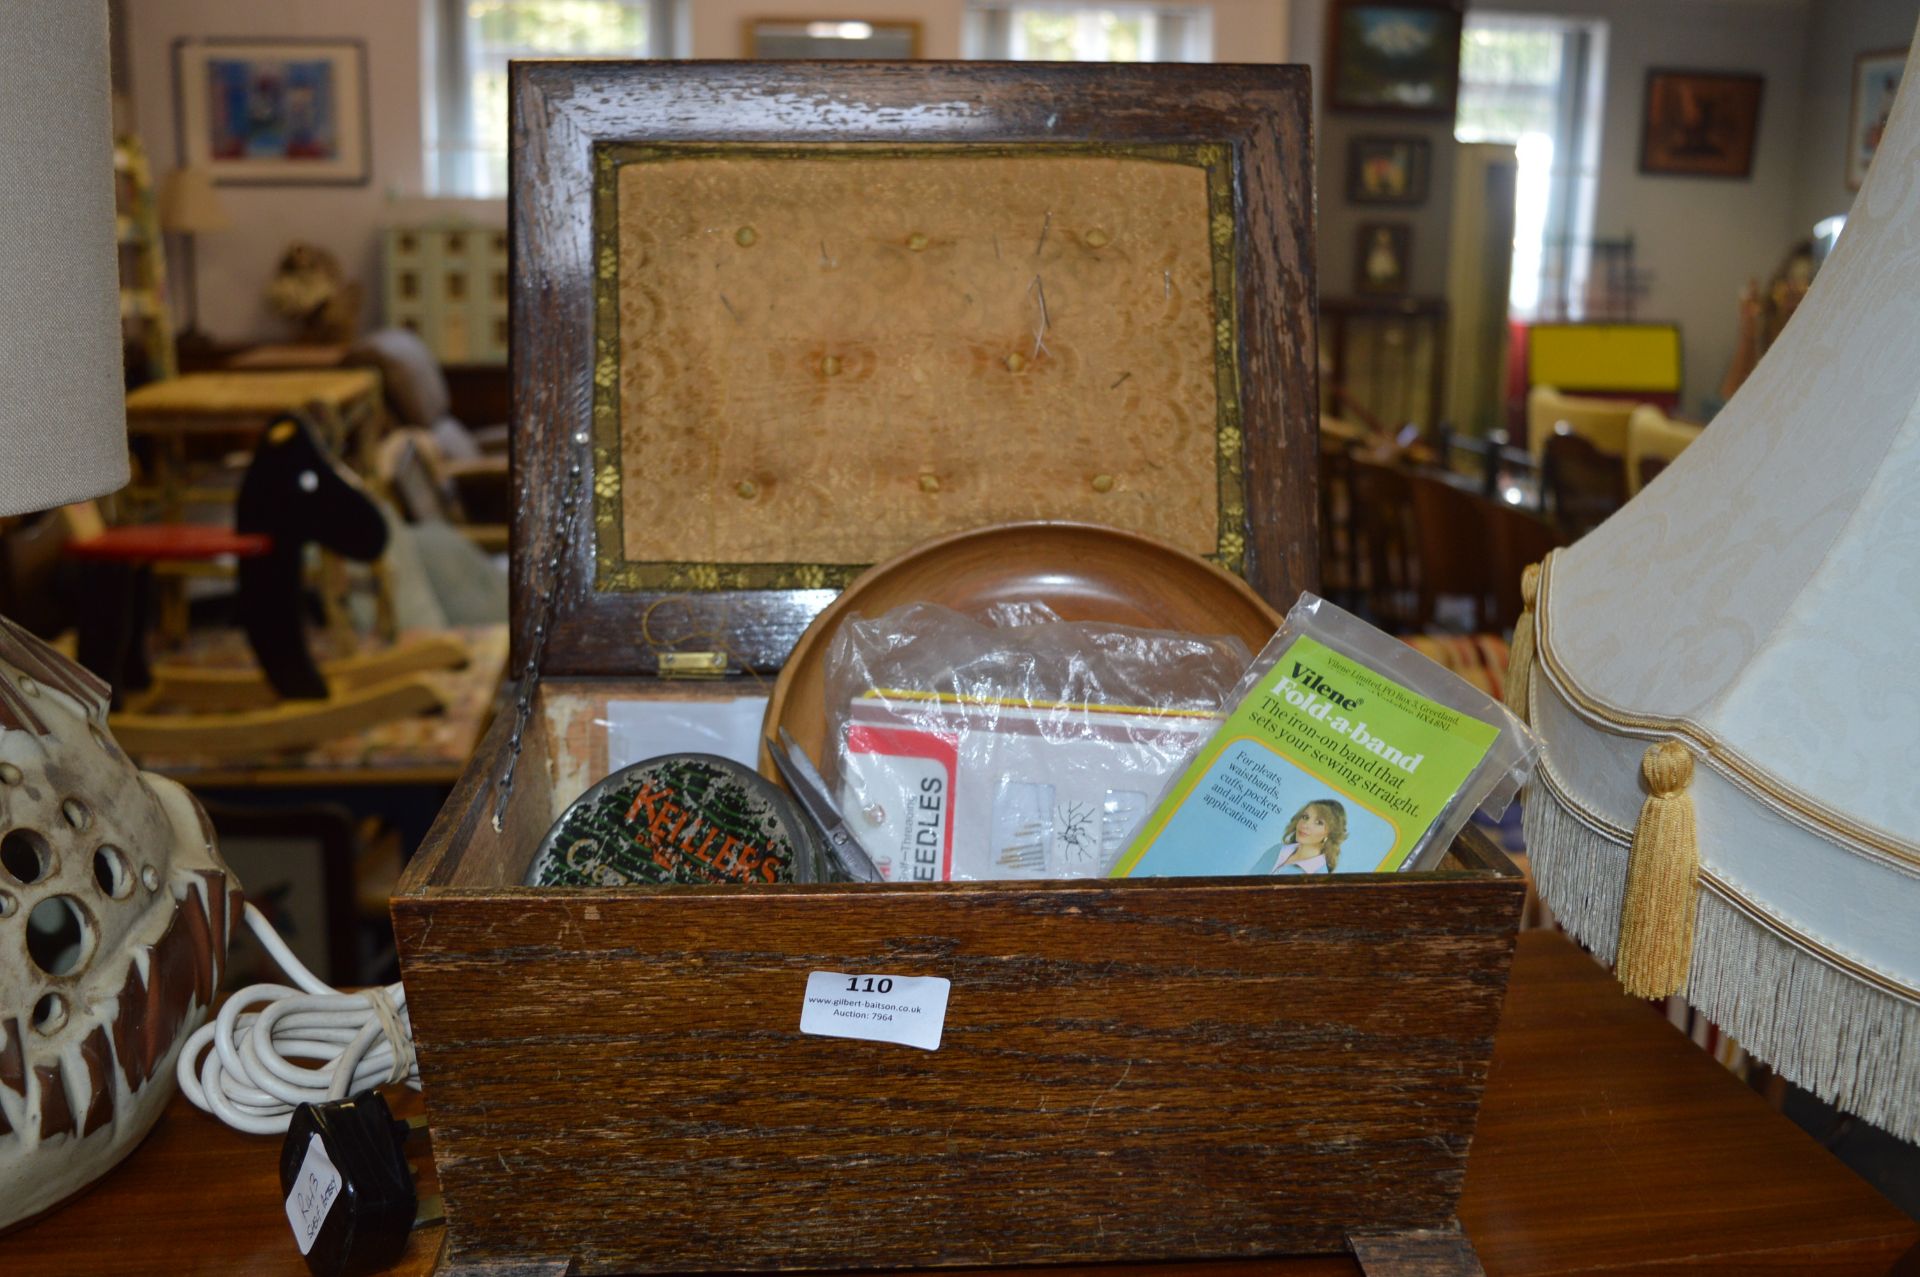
771	323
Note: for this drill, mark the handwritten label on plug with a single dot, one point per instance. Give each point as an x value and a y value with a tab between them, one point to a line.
315	1189
909	1010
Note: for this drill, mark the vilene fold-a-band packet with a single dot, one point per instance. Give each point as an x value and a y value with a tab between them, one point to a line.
1343	751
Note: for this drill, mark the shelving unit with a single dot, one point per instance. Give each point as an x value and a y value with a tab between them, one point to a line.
146	323
448	282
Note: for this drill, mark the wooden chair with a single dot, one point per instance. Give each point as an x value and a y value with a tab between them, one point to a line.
1453	552
32	592
426	487
1382	527
115	594
1515	538
1601	422
469	467
1339	564
1580	485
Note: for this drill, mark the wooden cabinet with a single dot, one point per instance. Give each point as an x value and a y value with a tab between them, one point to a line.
448	282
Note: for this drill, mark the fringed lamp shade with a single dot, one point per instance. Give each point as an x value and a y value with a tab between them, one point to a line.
1726	675
63	425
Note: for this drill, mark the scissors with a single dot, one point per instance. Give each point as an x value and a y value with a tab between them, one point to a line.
804	779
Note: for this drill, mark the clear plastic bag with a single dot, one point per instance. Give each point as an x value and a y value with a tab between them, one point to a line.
1019	747
1343	750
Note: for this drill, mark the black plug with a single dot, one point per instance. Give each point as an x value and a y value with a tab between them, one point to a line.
349	1191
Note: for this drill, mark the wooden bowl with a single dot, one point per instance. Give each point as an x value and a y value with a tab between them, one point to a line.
1082	571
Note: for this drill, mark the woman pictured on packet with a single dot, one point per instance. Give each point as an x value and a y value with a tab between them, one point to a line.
1311	844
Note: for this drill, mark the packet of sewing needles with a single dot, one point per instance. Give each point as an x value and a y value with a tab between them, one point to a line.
1343	751
1014	746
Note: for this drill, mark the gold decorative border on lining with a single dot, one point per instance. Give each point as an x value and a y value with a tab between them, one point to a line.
1820	819
1737	899
616	574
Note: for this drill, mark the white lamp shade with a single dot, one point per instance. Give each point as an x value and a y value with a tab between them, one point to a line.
189	203
63	433
1759	602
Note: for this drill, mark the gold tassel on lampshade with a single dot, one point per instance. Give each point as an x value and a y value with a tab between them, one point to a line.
1656	917
1520	657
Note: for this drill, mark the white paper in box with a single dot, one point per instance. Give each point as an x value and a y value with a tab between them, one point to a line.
939	790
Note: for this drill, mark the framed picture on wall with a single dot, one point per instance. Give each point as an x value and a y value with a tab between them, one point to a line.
1388	170
1876	78
1700	123
273	112
1401	57
1382	266
835	38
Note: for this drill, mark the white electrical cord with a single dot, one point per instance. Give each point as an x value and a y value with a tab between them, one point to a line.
249	1080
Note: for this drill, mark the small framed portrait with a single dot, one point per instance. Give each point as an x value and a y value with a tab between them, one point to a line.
1384	249
1402	57
273	112
1700	123
1388	170
1876	78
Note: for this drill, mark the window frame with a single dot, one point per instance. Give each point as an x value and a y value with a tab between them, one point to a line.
451	161
1177	32
1572	190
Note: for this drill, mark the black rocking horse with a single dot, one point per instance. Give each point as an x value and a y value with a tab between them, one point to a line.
293	495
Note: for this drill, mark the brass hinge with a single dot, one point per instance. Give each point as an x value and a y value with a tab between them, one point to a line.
693	664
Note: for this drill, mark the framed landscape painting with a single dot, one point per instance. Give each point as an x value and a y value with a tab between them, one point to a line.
273	112
1401	57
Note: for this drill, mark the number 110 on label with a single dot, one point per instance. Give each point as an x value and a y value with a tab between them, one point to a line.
867	984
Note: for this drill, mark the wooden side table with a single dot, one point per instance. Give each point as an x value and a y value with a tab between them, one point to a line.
1608	1145
200	412
287	357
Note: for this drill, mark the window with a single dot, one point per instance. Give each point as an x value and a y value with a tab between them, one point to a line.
472	43
1086	33
1534	82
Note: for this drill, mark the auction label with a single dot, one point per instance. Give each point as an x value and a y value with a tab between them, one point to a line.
314	1191
910	1010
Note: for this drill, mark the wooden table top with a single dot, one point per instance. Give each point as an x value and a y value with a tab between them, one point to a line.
280	357
247	394
1608	1144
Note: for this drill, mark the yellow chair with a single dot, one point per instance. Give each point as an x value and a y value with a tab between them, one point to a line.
1601	422
1653	440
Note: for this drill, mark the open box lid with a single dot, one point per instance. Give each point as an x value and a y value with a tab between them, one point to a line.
775	322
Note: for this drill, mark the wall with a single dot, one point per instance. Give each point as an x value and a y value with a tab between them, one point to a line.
1253	30
1697	240
1243	30
1840	30
235	265
1339	221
